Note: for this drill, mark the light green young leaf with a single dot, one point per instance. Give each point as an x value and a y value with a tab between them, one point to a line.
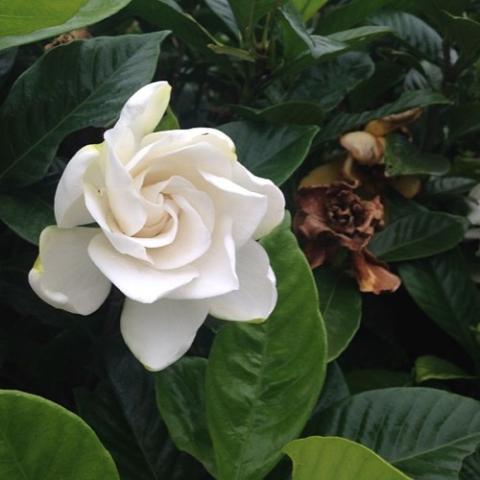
41	439
80	77
423	432
429	367
90	11
264	380
333	458
308	8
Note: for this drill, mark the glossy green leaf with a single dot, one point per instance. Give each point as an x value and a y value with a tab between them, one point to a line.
263	380
296	113
333	458
328	84
414	31
22	17
448	185
43	440
341	307
123	413
308	8
425	433
358	37
471	467
345	122
430	367
167	15
27	214
418	234
443	289
180	392
223	10
271	151
90	11
80	77
403	158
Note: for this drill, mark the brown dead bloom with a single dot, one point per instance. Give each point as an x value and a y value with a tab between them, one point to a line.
80	34
330	217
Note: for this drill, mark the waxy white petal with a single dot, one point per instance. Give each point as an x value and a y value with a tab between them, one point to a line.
64	276
136	279
257	296
69	204
158	334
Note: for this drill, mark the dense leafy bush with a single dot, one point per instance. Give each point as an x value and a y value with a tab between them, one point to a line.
366	113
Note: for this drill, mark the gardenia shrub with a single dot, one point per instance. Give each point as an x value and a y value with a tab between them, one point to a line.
240	240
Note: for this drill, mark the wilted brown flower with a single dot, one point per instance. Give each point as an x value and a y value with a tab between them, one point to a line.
333	216
65	38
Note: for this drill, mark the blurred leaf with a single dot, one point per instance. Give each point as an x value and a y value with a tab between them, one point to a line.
271	151
123	412
365	379
79	77
308	8
358	37
27	214
429	367
168	122
403	158
463	120
341	307
333	458
249	13
442	288
414	31
256	373
181	401
90	11
345	122
448	186
41	439
328	84
237	53
419	234
423	432
166	14
223	10
297	113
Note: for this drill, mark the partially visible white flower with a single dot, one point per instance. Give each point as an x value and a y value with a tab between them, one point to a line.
177	218
473	216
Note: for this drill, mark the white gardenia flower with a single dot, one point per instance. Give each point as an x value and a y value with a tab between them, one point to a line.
473	201
177	218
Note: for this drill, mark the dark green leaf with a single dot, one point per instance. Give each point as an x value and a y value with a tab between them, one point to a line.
471	467
248	13
365	379
27	214
181	401
442	287
358	37
333	458
308	8
464	120
341	307
271	151
425	433
90	11
223	10
403	158
41	439
345	122
263	380
237	53
419	234
448	185
167	15
430	367
77	79
124	414
297	113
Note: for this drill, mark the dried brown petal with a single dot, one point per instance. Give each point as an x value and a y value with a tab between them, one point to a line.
372	275
386	125
365	148
69	37
324	175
